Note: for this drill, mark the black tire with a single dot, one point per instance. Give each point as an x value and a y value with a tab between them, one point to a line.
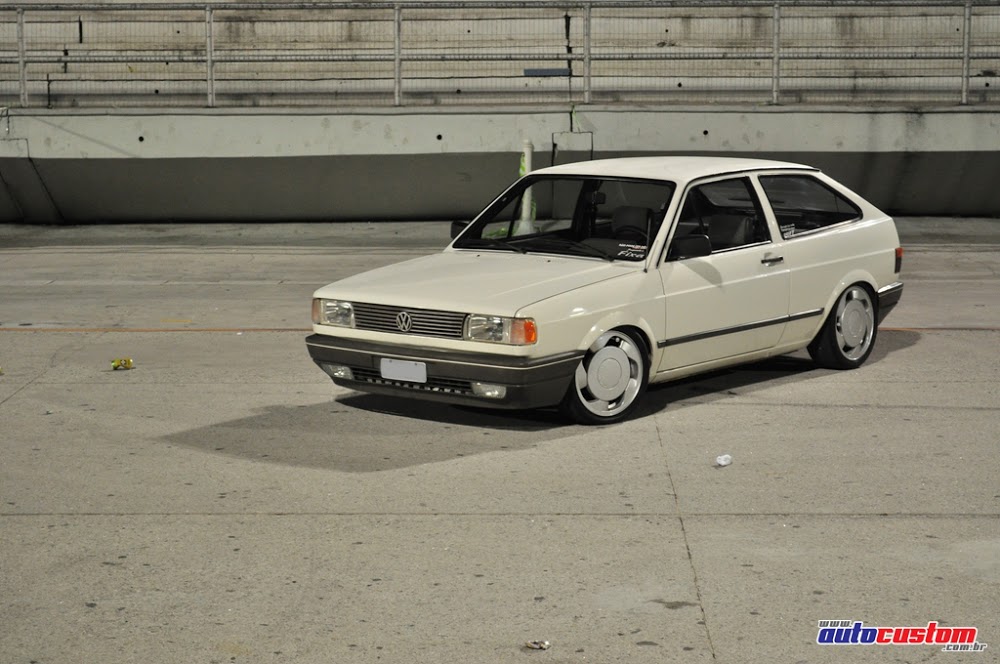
610	379
848	335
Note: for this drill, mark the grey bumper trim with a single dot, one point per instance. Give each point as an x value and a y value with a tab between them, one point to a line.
530	382
888	298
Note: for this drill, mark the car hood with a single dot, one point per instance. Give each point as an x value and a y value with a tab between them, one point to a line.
474	281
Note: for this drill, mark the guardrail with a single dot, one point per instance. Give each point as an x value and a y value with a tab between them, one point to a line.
409	53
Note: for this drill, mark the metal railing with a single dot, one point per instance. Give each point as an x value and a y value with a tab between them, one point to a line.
198	54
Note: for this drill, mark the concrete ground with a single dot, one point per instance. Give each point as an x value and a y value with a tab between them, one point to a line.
224	502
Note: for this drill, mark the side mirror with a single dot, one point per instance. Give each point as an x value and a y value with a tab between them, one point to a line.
457	227
690	246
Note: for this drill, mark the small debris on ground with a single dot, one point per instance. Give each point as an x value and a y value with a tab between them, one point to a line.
723	460
537	645
122	363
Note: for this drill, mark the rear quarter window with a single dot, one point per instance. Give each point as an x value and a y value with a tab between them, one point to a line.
802	204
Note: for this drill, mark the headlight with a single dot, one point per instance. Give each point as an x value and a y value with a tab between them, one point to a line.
501	330
333	312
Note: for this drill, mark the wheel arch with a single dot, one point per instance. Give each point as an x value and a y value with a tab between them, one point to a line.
862	277
618	320
837	345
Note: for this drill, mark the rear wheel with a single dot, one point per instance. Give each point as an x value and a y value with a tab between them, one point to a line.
609	379
848	335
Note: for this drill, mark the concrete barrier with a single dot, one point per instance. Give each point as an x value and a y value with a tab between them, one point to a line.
75	167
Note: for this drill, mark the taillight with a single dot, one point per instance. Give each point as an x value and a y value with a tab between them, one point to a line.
899	259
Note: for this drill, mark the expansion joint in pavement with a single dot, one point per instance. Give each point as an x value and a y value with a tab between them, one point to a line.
687	545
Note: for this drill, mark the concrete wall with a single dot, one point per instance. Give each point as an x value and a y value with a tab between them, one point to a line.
72	167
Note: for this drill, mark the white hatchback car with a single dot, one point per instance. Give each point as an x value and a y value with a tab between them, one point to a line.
583	283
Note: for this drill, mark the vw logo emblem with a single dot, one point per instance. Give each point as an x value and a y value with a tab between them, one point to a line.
404	321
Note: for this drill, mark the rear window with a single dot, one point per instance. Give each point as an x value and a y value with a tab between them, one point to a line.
801	204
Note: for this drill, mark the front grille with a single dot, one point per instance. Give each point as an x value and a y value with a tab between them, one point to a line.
424	322
441	385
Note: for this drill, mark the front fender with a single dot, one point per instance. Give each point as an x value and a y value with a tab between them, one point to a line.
616	320
575	319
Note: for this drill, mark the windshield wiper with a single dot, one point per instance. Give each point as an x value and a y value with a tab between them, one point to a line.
573	245
488	243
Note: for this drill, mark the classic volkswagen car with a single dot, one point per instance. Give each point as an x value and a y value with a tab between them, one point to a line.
583	283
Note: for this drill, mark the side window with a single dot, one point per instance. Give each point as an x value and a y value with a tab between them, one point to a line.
727	211
801	203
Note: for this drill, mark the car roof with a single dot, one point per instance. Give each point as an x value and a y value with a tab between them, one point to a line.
678	169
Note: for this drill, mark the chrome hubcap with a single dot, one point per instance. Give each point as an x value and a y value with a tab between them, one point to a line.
855	322
609	378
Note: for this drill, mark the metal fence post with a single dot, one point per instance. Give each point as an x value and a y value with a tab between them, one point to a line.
776	55
586	53
397	56
22	71
966	51
210	55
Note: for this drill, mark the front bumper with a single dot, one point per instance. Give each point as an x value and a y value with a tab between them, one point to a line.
529	382
888	298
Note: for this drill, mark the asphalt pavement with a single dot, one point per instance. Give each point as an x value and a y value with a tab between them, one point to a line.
225	502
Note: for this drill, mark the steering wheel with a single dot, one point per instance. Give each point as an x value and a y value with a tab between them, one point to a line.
632	233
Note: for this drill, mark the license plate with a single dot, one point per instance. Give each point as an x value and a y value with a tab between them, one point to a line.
411	372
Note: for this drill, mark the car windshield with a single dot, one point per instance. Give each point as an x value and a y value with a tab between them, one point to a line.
604	218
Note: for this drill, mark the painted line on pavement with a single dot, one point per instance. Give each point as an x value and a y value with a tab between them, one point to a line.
155	329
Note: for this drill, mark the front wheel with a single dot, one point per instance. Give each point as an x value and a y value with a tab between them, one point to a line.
609	379
848	335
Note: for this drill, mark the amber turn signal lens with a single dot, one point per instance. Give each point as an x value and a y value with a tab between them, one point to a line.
523	332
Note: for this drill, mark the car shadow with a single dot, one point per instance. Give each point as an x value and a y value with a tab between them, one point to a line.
890	341
747	378
502	420
367	433
727	383
364	433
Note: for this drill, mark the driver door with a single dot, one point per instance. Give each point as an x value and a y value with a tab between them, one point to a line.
735	300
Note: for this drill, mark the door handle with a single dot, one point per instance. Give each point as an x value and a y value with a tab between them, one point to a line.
772	260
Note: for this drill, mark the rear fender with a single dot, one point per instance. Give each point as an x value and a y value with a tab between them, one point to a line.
855	276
